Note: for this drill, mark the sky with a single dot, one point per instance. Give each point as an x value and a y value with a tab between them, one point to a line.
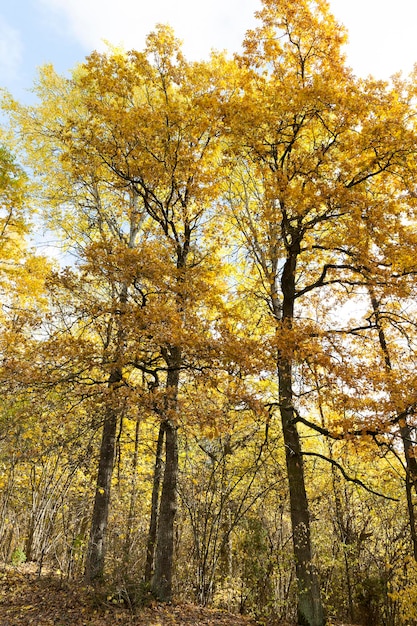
62	32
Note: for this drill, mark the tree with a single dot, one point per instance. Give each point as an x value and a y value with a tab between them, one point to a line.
311	146
138	158
402	412
162	175
163	145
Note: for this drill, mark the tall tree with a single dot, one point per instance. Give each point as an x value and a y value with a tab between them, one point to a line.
138	152
308	142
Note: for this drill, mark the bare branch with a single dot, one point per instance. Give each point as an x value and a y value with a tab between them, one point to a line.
346	476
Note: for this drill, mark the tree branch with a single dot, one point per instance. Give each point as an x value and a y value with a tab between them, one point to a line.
346	476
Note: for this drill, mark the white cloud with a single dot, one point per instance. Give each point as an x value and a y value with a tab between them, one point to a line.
220	24
382	38
11	50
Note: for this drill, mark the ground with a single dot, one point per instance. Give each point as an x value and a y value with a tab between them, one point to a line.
29	600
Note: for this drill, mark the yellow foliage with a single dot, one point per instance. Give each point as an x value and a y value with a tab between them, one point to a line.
403	593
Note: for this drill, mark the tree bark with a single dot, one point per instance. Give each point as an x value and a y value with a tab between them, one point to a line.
405	431
153	524
309	610
133	494
94	567
162	579
164	554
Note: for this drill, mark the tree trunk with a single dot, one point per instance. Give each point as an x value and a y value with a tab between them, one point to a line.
153	524
405	432
94	567
162	579
164	554
309	610
410	480
133	495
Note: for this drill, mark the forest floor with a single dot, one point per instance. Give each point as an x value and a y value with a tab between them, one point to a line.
27	599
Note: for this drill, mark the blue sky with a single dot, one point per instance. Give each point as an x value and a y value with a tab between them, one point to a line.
63	32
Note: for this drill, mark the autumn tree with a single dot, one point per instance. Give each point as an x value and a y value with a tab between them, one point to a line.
162	175
167	154
136	156
24	302
311	146
90	344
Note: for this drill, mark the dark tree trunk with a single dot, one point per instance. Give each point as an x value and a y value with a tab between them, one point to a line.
410	480
162	579
94	567
405	432
153	524
133	495
164	554
309	610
